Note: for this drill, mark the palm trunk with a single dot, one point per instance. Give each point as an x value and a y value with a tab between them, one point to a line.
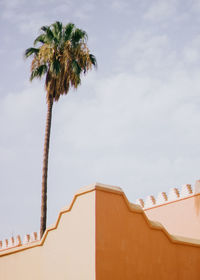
45	169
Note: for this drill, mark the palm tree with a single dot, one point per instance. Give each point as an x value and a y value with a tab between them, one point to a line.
62	56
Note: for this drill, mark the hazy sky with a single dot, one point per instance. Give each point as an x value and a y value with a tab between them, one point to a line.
134	123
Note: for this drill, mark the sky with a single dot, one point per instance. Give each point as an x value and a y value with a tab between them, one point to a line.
134	122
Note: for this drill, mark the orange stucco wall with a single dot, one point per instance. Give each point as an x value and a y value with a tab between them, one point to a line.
128	247
180	217
102	236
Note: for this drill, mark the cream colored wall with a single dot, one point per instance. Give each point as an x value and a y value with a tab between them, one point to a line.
68	252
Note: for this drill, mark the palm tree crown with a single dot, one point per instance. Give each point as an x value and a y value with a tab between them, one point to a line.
62	56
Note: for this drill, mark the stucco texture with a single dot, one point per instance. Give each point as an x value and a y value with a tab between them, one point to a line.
129	246
67	250
102	236
179	217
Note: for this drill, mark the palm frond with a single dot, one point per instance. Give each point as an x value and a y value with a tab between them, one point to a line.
38	72
93	60
31	51
34	74
40	39
44	28
68	31
66	85
48	34
76	68
75	81
42	69
78	35
55	67
57	29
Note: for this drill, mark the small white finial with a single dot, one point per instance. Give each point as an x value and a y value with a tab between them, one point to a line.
150	201
5	244
186	190
11	242
26	239
173	194
18	241
33	236
140	202
161	198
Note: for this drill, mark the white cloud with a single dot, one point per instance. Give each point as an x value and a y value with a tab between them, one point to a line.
22	124
84	12
191	51
10	5
32	25
120	6
28	19
25	22
144	51
161	10
195	5
191	55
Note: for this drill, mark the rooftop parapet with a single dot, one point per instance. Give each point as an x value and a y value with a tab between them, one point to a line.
163	198
173	195
13	242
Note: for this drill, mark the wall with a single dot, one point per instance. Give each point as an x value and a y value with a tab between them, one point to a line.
179	217
129	246
67	251
178	211
102	236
